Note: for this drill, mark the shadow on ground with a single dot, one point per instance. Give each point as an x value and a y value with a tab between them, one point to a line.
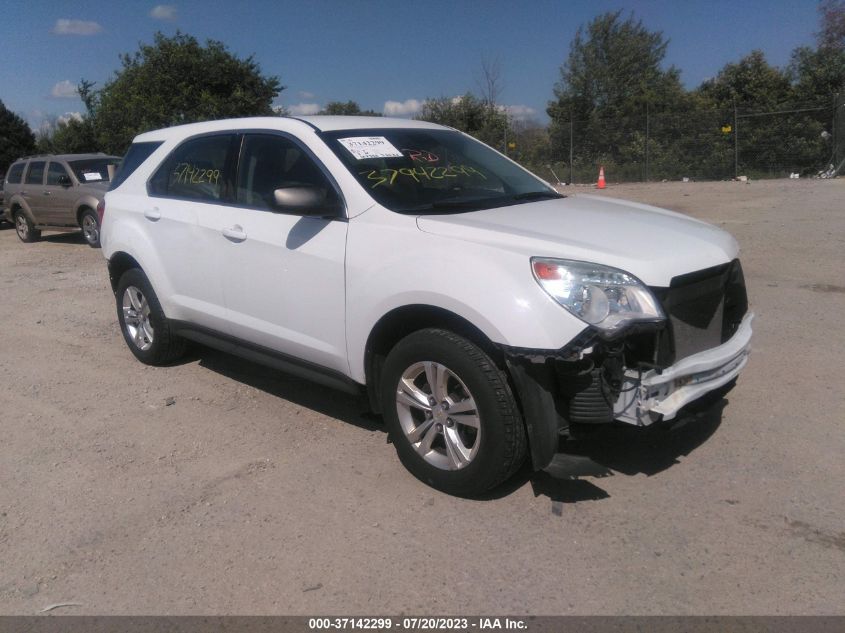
336	404
616	449
605	451
72	237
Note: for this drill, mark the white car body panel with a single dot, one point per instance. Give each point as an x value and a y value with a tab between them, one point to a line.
372	261
652	244
391	263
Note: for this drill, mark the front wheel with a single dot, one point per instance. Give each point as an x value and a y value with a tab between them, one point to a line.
25	228
450	413
145	329
90	225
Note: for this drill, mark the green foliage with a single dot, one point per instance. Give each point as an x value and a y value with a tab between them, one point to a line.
832	34
173	81
613	72
350	108
73	136
614	69
469	114
750	83
16	139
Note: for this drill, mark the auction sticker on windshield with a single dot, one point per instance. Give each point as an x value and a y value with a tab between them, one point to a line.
362	147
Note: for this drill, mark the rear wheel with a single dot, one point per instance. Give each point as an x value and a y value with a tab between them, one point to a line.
451	413
145	329
90	228
25	228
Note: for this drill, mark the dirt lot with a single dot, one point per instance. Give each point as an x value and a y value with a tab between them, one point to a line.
253	492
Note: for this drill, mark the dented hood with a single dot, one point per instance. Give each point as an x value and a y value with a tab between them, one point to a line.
652	244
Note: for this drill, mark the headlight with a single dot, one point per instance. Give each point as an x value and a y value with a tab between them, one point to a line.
602	296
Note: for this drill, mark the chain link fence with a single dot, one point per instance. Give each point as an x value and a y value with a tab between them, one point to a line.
804	139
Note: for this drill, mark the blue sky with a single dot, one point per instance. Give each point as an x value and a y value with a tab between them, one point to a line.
387	56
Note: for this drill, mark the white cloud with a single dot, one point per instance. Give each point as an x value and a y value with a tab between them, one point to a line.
64	90
163	12
304	109
304	94
409	107
76	27
519	112
67	117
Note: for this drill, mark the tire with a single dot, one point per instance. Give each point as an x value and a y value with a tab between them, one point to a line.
90	225
145	329
25	228
464	453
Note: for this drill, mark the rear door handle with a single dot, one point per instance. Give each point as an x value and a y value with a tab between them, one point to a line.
152	214
235	233
48	193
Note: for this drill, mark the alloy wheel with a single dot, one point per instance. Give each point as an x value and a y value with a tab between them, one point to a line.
22	226
438	415
136	318
89	229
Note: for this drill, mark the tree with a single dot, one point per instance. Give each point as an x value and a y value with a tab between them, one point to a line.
468	114
614	69
490	82
16	138
750	83
832	34
67	135
612	76
350	108
176	80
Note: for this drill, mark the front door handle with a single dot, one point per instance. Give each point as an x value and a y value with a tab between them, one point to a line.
152	214
235	233
48	193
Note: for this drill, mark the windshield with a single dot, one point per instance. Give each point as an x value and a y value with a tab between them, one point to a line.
93	169
433	171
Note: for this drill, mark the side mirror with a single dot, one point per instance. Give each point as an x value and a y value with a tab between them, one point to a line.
301	200
64	181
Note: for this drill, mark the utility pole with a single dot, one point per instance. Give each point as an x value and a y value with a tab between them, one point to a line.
736	143
833	127
646	140
571	181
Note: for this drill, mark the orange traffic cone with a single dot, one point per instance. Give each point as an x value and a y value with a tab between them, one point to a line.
601	184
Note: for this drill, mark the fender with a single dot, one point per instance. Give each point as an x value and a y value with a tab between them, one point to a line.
132	242
17	200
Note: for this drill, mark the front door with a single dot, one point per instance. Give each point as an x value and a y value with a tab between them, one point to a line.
283	274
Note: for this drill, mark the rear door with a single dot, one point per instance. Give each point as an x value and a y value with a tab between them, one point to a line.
189	187
33	191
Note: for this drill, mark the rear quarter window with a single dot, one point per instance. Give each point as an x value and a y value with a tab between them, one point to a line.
15	173
135	157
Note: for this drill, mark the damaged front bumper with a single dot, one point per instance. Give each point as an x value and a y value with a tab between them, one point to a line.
647	397
564	389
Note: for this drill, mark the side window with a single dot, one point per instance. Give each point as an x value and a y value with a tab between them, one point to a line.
196	170
273	162
137	154
54	172
15	173
35	173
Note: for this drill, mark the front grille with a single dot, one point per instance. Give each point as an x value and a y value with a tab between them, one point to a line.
704	310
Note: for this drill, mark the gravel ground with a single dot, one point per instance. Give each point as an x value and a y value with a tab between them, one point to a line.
219	487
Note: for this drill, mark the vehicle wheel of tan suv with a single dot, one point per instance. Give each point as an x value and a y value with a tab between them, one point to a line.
450	413
25	228
90	228
145	329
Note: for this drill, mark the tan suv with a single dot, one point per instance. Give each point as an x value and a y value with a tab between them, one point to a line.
57	192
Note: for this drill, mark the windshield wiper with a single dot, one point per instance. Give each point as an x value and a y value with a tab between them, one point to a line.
536	195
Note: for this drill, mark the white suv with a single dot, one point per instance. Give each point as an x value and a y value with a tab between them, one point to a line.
484	314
